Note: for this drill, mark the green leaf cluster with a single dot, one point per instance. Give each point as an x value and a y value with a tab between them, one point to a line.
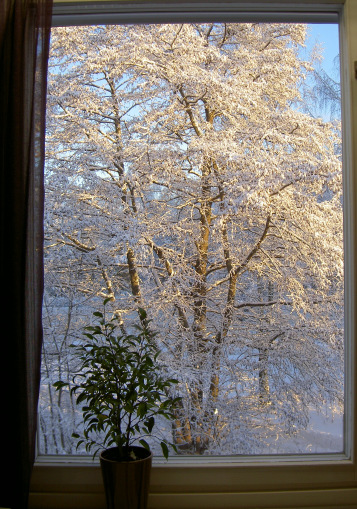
119	386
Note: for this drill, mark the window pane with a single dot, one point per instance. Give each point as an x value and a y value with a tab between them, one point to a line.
195	171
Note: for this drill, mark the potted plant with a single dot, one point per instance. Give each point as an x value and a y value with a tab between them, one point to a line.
123	392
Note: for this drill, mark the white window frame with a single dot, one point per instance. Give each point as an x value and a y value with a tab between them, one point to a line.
309	481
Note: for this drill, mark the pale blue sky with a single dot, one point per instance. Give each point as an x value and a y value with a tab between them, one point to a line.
327	36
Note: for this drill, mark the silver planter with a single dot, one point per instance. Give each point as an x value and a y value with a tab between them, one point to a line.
126	483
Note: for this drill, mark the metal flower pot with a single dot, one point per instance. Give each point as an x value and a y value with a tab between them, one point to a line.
126	483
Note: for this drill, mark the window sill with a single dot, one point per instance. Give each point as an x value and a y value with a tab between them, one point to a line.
76	482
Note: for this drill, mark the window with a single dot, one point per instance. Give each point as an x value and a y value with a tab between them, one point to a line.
218	476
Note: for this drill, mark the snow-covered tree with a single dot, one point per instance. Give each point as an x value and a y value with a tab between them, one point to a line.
184	178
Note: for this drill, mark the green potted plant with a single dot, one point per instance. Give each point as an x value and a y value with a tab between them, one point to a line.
123	392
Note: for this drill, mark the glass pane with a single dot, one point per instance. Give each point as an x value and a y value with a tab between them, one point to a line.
195	171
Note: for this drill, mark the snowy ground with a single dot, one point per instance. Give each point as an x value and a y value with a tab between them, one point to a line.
323	435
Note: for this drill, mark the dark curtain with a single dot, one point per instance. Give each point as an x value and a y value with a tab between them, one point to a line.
24	42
